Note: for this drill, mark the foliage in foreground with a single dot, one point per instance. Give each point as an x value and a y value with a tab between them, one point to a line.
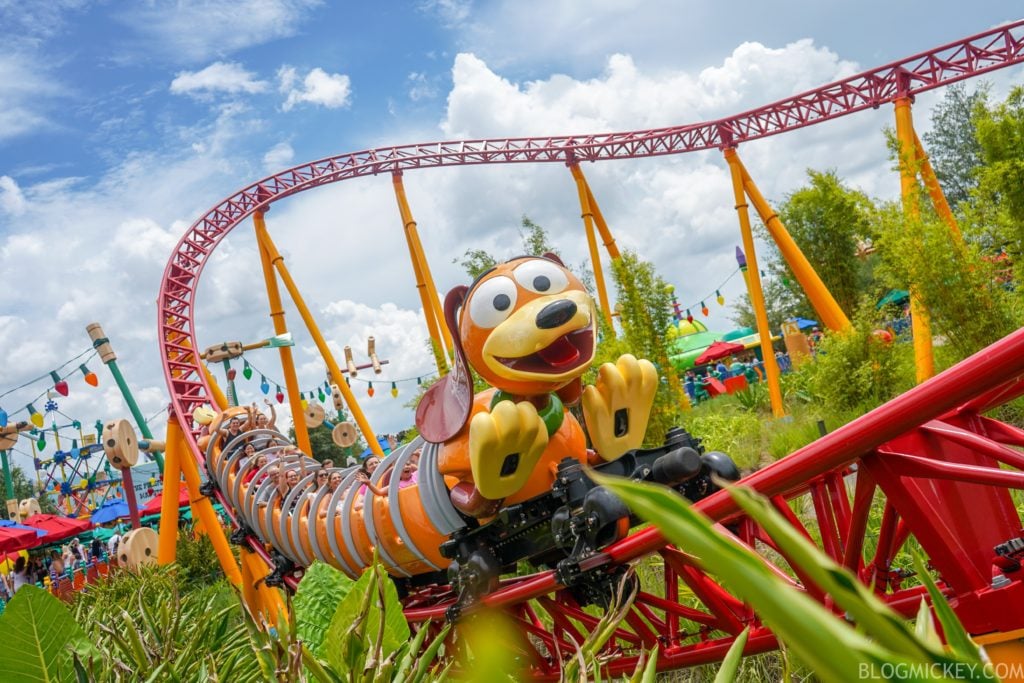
877	640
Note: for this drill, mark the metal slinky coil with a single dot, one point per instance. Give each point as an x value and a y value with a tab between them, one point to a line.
343	527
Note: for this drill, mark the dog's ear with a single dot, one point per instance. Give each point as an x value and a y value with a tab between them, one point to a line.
552	256
444	410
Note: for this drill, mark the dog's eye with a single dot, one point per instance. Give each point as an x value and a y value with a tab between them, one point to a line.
492	302
542	277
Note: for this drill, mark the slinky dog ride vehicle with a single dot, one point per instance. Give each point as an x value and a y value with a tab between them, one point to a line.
501	473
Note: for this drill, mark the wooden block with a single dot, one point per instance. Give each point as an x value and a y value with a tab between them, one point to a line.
138	547
120	444
314	415
344	434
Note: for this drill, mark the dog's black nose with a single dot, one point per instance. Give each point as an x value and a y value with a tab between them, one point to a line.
555	314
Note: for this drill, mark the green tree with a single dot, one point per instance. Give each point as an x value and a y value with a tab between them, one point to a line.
25	488
644	306
533	238
1000	192
324	447
957	285
952	143
827	220
780	302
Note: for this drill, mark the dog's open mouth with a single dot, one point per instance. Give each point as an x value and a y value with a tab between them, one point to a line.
564	354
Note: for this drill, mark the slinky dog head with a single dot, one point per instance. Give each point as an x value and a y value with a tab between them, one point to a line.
527	326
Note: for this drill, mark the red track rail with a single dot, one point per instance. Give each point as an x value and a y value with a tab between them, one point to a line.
926	460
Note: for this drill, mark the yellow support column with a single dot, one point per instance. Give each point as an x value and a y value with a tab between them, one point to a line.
595	258
202	508
287	364
924	357
220	401
167	544
931	183
275	258
754	286
830	313
602	226
432	311
265	604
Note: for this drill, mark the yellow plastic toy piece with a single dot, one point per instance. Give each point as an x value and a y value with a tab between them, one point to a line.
618	406
504	447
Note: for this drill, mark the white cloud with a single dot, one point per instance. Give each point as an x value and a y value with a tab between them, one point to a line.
27	94
452	13
11	198
219	77
318	87
278	157
190	31
420	87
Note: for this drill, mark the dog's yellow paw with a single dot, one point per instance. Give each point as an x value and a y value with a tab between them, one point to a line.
618	406
504	446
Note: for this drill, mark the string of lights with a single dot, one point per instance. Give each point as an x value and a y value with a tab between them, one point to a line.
322	391
700	304
59	385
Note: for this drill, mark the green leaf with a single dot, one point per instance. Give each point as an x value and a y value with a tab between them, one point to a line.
959	642
731	664
647	672
321	591
357	620
863	606
37	631
831	647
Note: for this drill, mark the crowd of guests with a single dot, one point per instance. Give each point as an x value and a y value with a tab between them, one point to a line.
749	366
48	566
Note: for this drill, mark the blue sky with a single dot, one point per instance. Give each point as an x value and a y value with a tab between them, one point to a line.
121	123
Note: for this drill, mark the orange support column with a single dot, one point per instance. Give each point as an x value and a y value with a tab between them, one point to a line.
277	316
595	258
924	357
167	543
274	258
931	183
202	508
830	313
432	311
754	286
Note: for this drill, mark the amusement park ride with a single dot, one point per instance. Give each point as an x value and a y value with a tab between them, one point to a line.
510	485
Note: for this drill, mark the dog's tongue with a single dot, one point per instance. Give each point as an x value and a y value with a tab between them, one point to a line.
559	353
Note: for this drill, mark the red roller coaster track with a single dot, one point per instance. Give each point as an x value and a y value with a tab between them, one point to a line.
928	461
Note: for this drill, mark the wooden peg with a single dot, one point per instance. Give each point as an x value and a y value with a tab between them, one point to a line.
350	364
371	351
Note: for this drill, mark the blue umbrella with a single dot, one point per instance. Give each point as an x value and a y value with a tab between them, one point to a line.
15	525
804	323
109	511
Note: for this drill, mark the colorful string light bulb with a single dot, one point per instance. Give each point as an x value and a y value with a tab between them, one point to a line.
90	377
35	417
3	418
719	298
369	390
246	369
60	385
394	390
279	395
704	309
264	386
689	316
